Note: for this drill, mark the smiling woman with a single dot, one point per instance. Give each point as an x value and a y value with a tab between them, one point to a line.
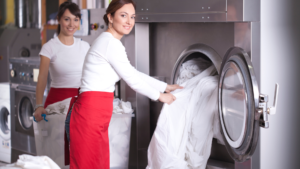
68	14
105	64
63	57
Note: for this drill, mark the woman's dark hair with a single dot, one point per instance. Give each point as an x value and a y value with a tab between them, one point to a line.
73	8
114	6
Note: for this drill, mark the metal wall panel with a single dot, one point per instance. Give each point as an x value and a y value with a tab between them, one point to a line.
179	6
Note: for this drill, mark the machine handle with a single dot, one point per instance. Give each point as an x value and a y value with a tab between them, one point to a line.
272	110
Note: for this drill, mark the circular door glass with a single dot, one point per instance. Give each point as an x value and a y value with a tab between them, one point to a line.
25	112
234	103
4	115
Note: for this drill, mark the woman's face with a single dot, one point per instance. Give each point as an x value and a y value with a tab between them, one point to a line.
69	23
123	20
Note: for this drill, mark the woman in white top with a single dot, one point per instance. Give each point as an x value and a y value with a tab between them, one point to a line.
105	63
63	56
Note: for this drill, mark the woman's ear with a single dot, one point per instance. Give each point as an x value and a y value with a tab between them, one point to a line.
110	18
58	20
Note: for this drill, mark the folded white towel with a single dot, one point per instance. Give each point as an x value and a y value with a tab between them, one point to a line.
32	162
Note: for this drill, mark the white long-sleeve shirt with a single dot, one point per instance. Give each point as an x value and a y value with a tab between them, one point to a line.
106	62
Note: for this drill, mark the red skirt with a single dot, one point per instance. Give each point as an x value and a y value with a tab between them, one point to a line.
56	95
89	143
60	94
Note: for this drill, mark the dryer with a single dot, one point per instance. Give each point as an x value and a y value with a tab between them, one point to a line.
23	79
168	33
5	125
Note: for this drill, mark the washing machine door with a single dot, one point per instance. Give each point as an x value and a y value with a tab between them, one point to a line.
238	103
4	122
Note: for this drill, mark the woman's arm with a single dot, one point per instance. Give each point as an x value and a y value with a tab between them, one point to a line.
117	58
41	85
159	85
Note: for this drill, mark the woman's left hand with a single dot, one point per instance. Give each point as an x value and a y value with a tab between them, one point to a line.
171	88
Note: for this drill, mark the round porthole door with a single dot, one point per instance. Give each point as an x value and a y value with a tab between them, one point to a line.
238	102
4	123
25	112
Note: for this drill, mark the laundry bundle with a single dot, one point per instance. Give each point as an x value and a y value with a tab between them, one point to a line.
119	133
191	68
32	162
184	131
49	135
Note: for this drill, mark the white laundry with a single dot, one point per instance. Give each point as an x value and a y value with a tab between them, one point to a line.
32	162
119	133
184	132
120	107
49	135
60	107
191	68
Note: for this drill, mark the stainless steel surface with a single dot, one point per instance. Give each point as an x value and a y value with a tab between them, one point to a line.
272	110
178	6
280	39
234	104
142	103
169	40
197	11
23	70
187	17
20	13
34	14
22	103
246	10
242	149
216	164
240	27
19	43
202	49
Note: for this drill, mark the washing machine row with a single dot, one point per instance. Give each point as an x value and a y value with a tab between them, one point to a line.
5	127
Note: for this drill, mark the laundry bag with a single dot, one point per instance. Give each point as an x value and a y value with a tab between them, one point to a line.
119	134
49	138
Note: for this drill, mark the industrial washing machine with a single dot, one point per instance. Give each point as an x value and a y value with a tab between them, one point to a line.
19	43
23	80
168	33
5	127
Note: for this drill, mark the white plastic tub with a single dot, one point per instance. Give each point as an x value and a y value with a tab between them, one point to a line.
119	140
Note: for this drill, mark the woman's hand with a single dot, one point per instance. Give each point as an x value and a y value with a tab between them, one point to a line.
38	113
171	88
166	98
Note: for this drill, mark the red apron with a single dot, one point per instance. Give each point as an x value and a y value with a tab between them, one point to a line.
89	143
60	94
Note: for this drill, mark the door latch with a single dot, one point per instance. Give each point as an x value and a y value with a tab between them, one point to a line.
264	110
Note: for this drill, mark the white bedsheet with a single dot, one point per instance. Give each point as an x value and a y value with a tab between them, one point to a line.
184	131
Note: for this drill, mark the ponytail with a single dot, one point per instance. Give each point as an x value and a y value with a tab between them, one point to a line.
58	29
105	18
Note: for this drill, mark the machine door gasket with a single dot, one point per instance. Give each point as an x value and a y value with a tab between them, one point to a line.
4	123
238	101
206	50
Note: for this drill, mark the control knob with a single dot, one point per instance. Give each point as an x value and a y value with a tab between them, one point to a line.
12	73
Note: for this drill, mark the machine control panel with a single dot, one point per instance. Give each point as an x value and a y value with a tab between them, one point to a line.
22	71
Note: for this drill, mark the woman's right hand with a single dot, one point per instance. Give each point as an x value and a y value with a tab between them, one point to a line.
38	113
167	98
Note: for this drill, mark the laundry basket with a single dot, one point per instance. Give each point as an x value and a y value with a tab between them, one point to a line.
49	138
119	140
